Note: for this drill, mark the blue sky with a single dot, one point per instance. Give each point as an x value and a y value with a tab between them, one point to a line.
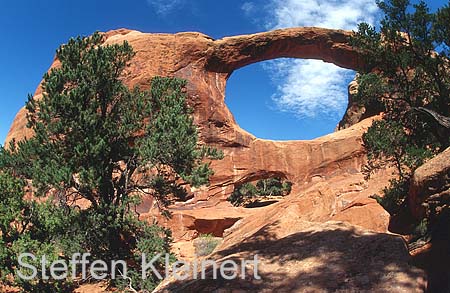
280	99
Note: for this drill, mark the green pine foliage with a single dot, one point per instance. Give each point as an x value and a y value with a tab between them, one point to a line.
243	194
247	193
28	227
13	211
406	70
99	142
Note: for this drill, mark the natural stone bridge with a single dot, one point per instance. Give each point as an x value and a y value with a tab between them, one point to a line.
296	251
207	64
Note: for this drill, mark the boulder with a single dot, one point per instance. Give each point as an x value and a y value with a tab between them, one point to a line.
431	181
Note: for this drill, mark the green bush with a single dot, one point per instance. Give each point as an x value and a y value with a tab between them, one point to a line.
248	193
243	194
394	196
406	73
85	147
205	244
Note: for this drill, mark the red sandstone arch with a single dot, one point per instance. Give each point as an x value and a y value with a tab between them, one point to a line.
206	64
328	45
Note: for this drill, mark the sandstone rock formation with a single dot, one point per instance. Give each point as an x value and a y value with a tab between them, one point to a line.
328	184
430	190
207	64
430	183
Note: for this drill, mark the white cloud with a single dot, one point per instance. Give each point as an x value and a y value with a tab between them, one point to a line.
165	7
311	88
248	7
337	14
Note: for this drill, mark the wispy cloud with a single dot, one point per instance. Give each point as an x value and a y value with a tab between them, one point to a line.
165	7
312	88
248	7
338	14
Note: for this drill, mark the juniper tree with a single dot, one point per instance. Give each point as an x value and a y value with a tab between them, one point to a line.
96	140
247	193
406	74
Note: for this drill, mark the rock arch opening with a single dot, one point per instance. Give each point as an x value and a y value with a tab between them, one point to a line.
289	99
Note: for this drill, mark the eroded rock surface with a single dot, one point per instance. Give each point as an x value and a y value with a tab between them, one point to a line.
430	182
430	192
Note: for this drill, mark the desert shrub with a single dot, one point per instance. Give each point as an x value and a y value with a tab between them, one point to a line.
205	244
406	74
247	193
85	147
243	194
394	196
